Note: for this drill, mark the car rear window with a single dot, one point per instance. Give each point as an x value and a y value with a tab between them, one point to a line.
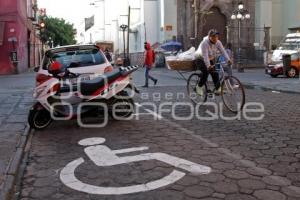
295	56
76	58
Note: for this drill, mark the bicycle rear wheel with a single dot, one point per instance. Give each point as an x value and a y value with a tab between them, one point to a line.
192	83
233	94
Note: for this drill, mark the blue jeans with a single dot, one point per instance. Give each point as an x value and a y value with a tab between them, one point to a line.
147	75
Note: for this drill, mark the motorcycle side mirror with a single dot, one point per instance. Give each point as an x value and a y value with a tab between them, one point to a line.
55	68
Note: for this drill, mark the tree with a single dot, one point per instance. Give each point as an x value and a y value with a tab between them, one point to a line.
57	30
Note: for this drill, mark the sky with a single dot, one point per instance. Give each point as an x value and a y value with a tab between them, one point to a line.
73	11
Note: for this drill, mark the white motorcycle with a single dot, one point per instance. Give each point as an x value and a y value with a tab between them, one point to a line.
59	98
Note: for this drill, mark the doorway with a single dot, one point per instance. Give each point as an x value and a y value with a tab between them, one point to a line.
213	20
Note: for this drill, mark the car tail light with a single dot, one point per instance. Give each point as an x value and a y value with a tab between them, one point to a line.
41	78
108	69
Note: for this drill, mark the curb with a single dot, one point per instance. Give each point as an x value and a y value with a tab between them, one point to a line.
12	171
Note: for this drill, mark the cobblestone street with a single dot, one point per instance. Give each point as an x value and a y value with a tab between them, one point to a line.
249	159
150	100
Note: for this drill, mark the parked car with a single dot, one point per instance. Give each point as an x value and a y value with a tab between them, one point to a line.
290	70
290	45
109	46
87	60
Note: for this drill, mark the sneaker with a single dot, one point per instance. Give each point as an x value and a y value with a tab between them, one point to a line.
155	82
218	91
145	86
199	90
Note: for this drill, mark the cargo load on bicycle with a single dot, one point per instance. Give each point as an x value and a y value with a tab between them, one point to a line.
182	62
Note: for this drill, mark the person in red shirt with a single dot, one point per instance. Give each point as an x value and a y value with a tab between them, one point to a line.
148	63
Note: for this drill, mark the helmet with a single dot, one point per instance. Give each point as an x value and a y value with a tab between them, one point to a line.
55	68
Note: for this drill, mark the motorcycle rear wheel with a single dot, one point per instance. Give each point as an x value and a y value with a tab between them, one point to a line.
122	107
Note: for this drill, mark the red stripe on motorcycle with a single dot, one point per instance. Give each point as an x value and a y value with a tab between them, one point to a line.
98	92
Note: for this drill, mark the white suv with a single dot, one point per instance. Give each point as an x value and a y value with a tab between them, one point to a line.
87	60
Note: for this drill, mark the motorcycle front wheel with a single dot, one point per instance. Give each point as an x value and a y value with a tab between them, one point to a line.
39	118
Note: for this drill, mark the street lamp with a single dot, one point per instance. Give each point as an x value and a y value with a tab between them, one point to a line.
123	28
240	14
241	6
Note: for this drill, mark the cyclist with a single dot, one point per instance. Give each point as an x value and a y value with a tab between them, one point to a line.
207	54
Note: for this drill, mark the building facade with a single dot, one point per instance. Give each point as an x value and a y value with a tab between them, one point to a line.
281	16
19	43
270	21
154	21
196	17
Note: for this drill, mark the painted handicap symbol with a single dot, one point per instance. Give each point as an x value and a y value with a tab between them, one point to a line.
103	156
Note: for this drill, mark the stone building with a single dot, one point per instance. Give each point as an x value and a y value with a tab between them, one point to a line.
19	42
194	21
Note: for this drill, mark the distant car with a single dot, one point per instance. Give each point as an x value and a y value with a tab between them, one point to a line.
275	70
278	68
87	60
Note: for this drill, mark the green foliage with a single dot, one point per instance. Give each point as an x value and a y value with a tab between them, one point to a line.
58	30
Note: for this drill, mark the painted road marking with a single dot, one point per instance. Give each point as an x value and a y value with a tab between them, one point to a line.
156	115
103	156
68	177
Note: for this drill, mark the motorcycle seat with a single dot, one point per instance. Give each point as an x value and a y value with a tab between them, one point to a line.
67	88
88	87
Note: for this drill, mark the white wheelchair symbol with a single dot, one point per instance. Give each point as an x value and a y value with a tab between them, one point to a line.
103	156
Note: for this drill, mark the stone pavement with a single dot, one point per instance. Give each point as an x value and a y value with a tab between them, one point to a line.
258	78
250	160
252	78
15	100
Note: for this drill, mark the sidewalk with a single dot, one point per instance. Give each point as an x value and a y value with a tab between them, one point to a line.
251	78
256	78
15	101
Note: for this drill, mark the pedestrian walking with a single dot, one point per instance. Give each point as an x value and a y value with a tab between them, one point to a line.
149	56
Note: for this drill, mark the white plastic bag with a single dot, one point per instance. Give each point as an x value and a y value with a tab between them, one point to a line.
188	55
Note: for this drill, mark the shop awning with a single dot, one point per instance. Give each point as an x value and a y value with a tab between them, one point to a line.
1	32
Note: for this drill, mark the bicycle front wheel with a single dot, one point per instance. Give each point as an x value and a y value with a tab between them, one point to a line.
233	94
193	94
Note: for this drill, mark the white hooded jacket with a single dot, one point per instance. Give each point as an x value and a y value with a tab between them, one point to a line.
209	51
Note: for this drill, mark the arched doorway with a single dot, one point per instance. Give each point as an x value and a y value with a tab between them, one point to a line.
213	20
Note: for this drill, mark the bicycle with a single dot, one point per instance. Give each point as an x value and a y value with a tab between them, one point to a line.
232	90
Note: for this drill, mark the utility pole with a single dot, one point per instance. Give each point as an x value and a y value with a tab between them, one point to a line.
123	28
145	28
196	19
128	32
240	14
